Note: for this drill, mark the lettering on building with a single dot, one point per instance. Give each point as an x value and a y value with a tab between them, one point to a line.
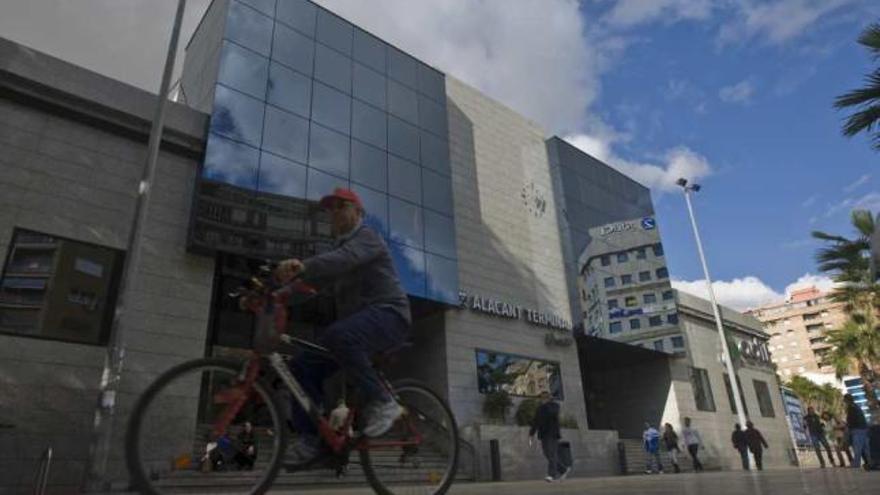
512	311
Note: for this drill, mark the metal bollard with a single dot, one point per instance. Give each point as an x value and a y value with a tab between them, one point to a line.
621	458
495	459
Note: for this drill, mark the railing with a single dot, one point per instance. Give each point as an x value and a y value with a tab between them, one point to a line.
41	480
472	451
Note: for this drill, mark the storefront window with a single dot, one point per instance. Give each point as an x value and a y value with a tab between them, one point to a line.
702	390
517	375
762	391
730	395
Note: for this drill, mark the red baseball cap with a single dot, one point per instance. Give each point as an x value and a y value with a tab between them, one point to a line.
341	194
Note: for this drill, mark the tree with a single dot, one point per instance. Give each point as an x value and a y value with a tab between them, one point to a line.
866	100
856	345
824	398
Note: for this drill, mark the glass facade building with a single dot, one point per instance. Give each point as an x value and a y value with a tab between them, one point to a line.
304	102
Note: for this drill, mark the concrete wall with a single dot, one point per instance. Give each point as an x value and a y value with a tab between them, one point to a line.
72	145
202	62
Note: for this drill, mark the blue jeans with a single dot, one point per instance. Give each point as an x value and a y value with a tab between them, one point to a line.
352	341
861	446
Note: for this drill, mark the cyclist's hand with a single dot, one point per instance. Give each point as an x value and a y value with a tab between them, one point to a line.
288	269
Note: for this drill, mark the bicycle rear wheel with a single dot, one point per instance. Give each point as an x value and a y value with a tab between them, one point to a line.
419	455
169	433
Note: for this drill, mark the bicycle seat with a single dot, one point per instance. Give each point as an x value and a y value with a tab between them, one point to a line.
383	358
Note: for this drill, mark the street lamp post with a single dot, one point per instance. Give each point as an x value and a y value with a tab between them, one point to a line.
734	382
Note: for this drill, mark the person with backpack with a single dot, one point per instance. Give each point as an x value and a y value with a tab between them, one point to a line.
670	441
756	443
651	444
741	444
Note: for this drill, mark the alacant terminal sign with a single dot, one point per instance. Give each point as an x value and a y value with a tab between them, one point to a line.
513	311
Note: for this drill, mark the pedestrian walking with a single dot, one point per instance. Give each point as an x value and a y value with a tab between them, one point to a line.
839	438
756	443
694	442
738	438
670	441
651	444
858	431
817	435
546	425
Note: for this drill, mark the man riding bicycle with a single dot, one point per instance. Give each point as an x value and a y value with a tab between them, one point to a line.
373	315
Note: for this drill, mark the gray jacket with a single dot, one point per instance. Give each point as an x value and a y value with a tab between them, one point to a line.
362	273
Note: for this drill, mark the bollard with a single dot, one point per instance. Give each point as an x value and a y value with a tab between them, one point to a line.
495	459
621	458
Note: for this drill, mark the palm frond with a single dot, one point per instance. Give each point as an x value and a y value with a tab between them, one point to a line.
863	221
866	95
870	38
863	120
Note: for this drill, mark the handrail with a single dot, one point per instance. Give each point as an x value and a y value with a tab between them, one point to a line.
42	479
475	468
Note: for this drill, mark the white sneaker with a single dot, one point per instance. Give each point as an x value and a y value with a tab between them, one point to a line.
381	416
565	473
549	479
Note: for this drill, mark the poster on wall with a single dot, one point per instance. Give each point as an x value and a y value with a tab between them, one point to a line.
517	375
794	412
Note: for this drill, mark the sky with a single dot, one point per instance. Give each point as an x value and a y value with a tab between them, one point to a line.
733	94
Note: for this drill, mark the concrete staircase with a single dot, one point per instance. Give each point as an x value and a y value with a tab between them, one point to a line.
637	458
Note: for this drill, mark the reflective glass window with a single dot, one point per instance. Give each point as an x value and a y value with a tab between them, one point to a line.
265	6
237	116
606	260
678	342
369	124
333	68
280	176
243	70
286	134
404	179
403	139
655	321
375	207
439	234
293	49
406	222
645	276
334	31
442	278
622	257
328	151
432	117
289	90
432	83
635	324
230	162
331	108
321	184
249	28
649	298
626	279
437	192
612	303
615	327
609	282
369	50
410	265
662	272
368	165
369	86
403	102
401	67
298	14
435	153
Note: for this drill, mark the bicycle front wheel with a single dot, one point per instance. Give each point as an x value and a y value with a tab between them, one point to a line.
170	444
419	455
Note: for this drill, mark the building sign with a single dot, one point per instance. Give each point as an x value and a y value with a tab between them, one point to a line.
755	350
647	223
503	309
794	413
644	310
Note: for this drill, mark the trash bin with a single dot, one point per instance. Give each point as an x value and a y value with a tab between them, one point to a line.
565	453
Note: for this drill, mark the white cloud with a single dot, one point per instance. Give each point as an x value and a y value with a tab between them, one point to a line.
870	202
740	92
627	13
677	162
821	282
810	201
740	293
775	22
857	183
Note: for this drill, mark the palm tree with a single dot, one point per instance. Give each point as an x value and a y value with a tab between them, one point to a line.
848	262
856	345
865	100
825	398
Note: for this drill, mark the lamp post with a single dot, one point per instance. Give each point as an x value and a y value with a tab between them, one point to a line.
731	373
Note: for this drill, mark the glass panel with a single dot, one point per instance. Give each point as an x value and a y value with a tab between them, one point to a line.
433	117
406	222
286	134
410	265
237	116
435	153
517	375
368	124
265	6
403	102
243	70
369	50
249	28
702	390
280	176
230	162
442	278
375	208
401	67
289	90
369	86
293	49
403	139
368	166
334	31
298	14
321	184
328	151
432	83
437	191
333	68
331	108
440	234
404	179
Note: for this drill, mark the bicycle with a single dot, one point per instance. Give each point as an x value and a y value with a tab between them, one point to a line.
418	455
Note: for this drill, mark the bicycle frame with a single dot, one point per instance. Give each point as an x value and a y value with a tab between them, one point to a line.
271	311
